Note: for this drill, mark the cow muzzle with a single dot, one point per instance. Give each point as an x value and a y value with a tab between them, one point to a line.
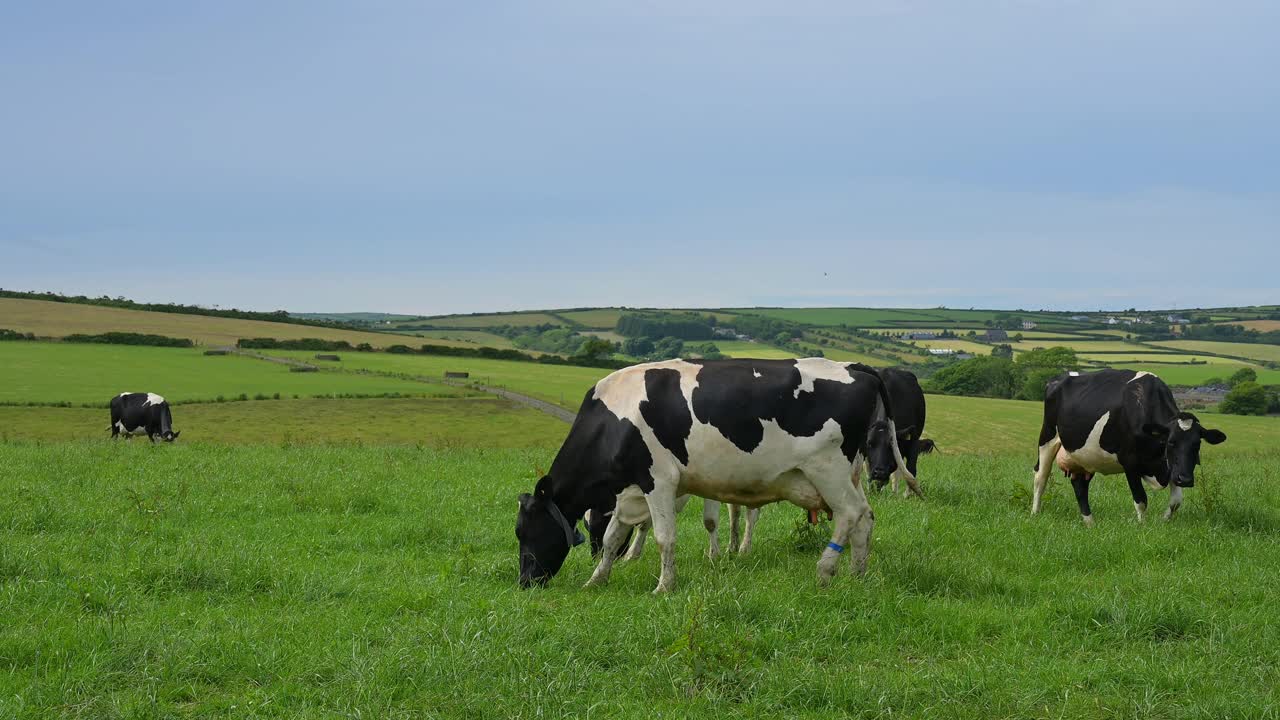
1185	481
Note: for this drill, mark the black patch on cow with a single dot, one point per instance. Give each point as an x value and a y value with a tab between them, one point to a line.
666	411
732	399
601	457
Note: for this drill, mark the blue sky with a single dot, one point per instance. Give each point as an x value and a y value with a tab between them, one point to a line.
429	157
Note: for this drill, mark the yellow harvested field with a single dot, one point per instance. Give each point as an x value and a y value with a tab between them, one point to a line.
958	345
482	321
1082	346
1259	325
1114	358
57	319
1247	350
744	349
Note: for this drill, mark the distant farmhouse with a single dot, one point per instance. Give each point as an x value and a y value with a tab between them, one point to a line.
920	336
996	335
1176	320
1028	325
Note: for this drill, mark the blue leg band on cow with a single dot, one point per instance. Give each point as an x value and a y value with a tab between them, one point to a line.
834	546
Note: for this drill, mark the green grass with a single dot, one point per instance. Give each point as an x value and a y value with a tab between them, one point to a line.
600	319
1246	350
435	422
746	349
482	321
561	384
292	582
459	338
856	317
1198	374
64	372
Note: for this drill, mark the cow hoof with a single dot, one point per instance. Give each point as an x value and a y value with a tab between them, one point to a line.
1088	520
663	589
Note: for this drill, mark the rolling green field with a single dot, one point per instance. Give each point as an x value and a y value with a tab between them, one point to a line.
600	319
745	349
1198	374
269	581
564	385
66	372
1247	350
460	338
57	319
433	422
483	321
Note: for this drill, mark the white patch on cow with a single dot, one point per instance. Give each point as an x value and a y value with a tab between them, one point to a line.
820	369
1142	511
1088	520
1151	482
1091	457
120	426
1175	501
1141	373
623	391
756	373
1073	373
153	399
1185	424
123	394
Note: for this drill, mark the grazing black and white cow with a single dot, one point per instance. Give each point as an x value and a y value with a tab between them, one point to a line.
908	415
748	432
1118	421
139	413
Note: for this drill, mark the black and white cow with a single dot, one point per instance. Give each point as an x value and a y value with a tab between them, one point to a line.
139	413
748	432
1118	421
909	415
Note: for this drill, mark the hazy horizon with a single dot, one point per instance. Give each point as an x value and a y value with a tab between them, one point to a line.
432	158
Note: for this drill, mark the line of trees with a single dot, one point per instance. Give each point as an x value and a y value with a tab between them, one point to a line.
995	376
128	338
7	334
685	326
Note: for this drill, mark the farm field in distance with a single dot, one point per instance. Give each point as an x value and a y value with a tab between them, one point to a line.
90	373
58	319
1247	350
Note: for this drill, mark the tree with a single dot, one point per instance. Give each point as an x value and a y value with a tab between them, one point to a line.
1243	375
1246	398
782	338
637	346
1061	359
985	376
595	348
1003	351
1034	382
668	348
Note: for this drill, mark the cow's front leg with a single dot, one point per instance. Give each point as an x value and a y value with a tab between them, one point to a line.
1175	501
860	538
637	543
1139	494
749	531
662	513
735	515
614	535
711	521
1080	483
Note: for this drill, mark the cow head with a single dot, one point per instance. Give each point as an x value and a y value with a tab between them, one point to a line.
169	435
880	452
1175	447
546	536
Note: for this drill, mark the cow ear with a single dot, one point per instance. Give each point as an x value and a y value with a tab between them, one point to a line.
906	432
1213	437
1155	430
543	488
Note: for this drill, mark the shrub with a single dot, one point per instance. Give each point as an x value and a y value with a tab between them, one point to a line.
128	338
1246	398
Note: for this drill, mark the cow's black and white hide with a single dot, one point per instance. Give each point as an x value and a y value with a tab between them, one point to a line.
142	414
748	432
1118	421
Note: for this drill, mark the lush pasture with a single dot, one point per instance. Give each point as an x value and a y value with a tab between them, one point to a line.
1247	350
959	345
840	354
1259	325
55	319
483	321
602	318
745	349
483	421
1139	356
460	338
190	580
562	384
1198	374
856	317
66	372
1082	345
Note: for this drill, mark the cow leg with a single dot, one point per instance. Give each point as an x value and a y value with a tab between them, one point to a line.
750	531
1175	501
1139	495
1048	452
735	514
614	535
711	521
662	513
849	506
1080	483
637	543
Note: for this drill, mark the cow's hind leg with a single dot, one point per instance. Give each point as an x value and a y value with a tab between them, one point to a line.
637	542
662	512
1080	483
1048	452
614	535
851	511
711	521
735	515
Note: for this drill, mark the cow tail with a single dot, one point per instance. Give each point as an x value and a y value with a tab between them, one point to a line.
902	472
